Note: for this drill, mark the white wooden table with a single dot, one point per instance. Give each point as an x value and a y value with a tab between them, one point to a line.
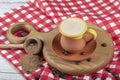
7	71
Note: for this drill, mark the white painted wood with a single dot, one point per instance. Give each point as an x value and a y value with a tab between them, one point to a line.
4	7
6	67
10	76
7	5
7	71
14	1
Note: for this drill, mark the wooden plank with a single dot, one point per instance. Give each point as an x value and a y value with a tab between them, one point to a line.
12	76
4	5
7	71
5	66
13	1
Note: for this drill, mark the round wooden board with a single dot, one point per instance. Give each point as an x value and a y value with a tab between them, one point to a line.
102	55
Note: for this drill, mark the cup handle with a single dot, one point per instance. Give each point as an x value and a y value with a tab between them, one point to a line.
93	32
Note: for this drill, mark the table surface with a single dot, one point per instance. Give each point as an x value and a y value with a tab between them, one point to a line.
7	71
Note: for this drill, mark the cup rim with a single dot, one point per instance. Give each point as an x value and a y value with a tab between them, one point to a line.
79	35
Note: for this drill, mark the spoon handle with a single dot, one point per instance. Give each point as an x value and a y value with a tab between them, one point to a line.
2	46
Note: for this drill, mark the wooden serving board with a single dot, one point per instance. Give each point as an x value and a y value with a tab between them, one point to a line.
101	57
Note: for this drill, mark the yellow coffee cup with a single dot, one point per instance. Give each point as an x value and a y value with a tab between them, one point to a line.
75	28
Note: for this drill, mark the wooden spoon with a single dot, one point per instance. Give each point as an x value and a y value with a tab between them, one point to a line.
31	45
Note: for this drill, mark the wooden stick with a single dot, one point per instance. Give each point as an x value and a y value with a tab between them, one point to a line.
11	46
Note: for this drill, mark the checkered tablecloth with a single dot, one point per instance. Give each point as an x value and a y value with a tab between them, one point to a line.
45	15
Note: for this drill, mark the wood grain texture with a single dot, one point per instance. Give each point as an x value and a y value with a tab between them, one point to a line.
7	5
5	66
7	71
10	76
100	58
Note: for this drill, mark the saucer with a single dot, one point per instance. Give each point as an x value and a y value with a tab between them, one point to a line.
87	51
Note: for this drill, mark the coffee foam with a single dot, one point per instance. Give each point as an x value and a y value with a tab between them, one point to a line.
73	26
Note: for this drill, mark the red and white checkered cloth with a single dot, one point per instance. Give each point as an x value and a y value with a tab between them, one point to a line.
44	15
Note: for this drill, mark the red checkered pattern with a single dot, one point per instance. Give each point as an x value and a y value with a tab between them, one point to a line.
45	15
